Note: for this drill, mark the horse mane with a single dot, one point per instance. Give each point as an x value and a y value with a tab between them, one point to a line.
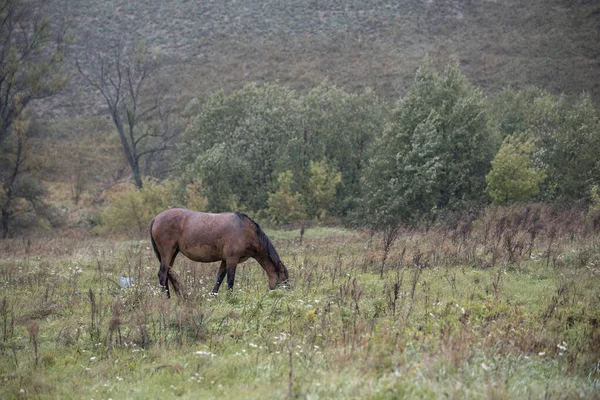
263	241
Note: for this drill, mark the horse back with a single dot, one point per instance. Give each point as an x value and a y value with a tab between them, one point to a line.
199	236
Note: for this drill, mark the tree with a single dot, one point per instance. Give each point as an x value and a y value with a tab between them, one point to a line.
566	139
254	134
571	144
21	192
31	59
324	179
124	75
338	127
237	145
434	153
284	205
513	177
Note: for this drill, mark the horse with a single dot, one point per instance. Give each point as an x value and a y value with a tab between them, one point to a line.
231	238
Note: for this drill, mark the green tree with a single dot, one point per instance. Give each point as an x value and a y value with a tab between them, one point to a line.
324	179
566	138
284	205
259	132
511	111
434	153
338	126
571	146
21	192
237	145
31	59
224	172
513	177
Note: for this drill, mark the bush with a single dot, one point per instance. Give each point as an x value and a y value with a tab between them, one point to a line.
131	211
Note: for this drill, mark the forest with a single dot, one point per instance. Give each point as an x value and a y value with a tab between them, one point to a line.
427	170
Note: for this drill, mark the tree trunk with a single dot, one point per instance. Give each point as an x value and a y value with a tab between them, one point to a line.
5	220
127	149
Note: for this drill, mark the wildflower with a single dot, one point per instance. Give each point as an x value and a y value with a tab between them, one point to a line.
207	353
562	346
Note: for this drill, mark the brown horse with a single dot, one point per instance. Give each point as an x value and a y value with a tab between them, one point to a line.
231	238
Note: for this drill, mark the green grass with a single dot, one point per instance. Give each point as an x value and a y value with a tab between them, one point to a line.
523	329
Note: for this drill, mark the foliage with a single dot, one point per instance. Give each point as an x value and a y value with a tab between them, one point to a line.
595	198
284	205
434	153
240	144
566	137
194	197
338	128
571	152
129	212
21	190
513	177
235	144
322	186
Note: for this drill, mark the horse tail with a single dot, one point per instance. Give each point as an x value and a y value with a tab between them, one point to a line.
153	242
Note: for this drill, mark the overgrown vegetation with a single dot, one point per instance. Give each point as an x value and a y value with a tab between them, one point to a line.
471	270
505	307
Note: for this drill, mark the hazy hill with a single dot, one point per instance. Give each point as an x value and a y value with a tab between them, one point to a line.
221	44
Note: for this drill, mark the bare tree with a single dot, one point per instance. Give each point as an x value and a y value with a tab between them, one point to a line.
31	59
127	79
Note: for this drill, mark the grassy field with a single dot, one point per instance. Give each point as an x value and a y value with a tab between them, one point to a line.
507	307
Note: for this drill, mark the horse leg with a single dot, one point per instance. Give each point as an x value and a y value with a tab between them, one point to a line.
174	279
231	266
166	261
163	278
220	276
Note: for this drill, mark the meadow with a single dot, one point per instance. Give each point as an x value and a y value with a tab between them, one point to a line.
507	306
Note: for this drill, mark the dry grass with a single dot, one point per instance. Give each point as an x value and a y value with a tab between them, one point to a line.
459	312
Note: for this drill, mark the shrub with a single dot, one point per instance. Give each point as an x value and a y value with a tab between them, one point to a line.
131	211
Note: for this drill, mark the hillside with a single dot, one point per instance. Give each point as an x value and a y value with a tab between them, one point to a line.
214	45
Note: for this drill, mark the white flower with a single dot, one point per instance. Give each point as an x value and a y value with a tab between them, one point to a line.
207	353
562	346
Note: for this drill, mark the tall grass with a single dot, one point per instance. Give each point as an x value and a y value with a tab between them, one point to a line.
505	306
